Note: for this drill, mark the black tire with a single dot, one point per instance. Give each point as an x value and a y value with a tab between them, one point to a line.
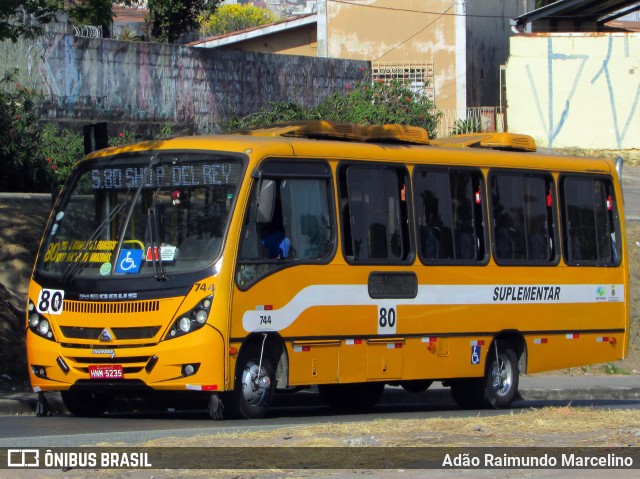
253	390
418	386
498	387
501	378
351	396
86	403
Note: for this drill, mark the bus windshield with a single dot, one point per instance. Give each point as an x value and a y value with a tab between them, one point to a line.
143	214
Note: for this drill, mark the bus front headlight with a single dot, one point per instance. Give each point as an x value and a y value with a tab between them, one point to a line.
38	324
191	320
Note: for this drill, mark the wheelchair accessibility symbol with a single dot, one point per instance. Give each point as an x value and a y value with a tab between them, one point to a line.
475	354
129	261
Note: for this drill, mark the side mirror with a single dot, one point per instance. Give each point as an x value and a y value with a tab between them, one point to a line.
266	201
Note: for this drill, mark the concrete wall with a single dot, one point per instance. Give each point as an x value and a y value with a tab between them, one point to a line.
398	31
576	90
147	84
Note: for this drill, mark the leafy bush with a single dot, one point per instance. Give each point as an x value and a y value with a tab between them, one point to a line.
363	102
468	125
62	149
20	138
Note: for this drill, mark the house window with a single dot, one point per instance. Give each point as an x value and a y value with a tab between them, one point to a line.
419	74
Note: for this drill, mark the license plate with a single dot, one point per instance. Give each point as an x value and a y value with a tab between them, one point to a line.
113	371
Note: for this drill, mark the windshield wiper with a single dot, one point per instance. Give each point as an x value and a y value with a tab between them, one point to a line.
75	265
154	240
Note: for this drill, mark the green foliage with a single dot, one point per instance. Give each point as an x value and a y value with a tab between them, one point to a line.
61	149
20	138
171	18
614	369
232	18
468	125
24	18
92	12
364	102
125	137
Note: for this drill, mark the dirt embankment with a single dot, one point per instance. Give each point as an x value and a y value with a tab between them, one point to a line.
22	221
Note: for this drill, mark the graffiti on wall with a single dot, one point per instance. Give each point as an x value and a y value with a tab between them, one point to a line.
580	90
111	80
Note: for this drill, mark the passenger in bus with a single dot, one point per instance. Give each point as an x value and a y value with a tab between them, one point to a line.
273	238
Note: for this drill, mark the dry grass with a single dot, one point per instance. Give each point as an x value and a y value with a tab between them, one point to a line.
552	426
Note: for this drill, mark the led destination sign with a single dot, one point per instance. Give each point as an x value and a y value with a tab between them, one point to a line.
170	176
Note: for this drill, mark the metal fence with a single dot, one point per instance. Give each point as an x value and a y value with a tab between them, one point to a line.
471	120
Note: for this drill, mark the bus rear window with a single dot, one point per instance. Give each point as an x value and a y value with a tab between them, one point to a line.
589	213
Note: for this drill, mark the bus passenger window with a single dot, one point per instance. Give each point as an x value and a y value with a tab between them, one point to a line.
301	228
589	221
450	215
523	217
375	215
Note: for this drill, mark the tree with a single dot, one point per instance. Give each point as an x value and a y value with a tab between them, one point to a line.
171	18
93	12
232	18
24	18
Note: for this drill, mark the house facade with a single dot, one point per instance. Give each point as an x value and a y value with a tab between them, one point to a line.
451	50
573	75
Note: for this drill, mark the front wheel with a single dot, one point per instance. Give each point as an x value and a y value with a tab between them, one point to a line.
254	384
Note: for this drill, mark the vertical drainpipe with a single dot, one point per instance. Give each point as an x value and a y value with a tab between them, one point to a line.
323	44
461	57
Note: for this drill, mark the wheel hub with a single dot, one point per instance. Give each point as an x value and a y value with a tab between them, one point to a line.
501	376
255	384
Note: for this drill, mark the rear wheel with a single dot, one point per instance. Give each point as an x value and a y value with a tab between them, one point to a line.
351	396
254	384
501	379
496	389
86	403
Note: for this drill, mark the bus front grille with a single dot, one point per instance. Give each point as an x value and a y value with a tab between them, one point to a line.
125	307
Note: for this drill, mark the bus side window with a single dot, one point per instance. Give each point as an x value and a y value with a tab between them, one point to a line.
589	221
523	217
375	215
450	215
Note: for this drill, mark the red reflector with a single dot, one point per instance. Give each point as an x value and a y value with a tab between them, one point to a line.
549	200
398	345
210	387
306	348
268	307
481	342
357	341
478	197
609	203
543	340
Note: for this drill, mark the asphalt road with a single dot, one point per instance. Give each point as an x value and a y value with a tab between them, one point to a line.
305	407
